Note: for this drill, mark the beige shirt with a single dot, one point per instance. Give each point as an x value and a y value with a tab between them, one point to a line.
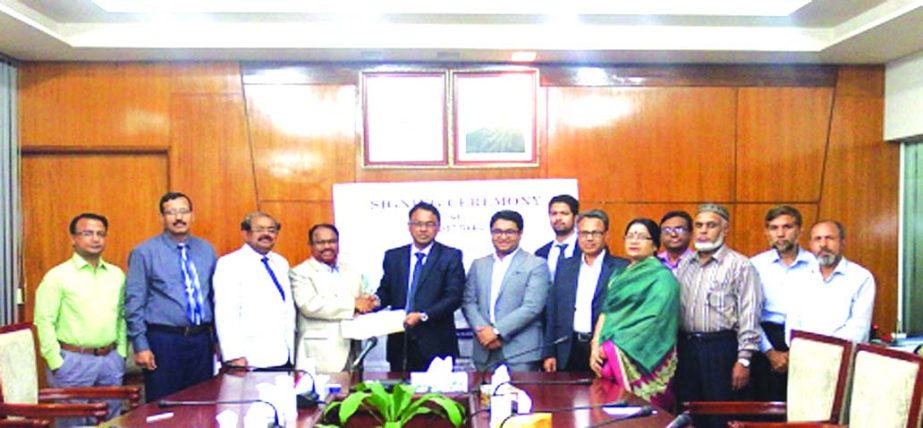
723	293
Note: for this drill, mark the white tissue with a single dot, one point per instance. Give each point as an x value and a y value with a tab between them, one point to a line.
439	377
227	419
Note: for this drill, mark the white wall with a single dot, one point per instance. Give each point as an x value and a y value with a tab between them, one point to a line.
904	98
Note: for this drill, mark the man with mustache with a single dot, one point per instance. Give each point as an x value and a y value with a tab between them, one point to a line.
562	213
720	306
846	289
168	307
785	269
326	292
254	309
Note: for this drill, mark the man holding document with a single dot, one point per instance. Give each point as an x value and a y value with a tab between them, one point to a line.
425	279
326	292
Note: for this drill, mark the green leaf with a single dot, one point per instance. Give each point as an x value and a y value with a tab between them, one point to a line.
400	398
408	415
381	400
350	404
454	411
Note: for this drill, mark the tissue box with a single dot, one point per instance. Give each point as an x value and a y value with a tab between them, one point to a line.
439	382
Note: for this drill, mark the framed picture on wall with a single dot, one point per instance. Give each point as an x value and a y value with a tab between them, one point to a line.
494	117
404	118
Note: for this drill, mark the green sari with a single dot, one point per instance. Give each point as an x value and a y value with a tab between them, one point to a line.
641	322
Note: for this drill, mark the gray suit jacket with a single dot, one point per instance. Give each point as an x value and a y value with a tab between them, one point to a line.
519	306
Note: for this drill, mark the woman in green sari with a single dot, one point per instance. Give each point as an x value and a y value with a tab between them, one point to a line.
634	342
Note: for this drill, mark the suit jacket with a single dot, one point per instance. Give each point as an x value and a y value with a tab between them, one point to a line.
562	301
519	306
545	249
438	294
323	299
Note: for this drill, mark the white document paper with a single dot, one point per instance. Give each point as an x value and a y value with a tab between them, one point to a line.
373	324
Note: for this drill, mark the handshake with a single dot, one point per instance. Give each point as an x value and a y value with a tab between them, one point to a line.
366	303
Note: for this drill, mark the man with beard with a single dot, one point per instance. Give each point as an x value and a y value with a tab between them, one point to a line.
254	309
785	270
562	210
721	299
326	292
168	307
846	289
675	234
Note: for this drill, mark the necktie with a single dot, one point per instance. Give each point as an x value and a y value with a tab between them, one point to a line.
191	284
272	275
414	281
561	248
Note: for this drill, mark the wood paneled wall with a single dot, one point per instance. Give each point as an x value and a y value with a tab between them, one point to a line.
238	138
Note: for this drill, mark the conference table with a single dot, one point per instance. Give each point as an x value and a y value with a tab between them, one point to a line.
558	397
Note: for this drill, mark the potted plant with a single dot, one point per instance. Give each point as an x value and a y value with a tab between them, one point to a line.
395	409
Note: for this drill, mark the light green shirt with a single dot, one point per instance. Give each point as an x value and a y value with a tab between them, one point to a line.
80	305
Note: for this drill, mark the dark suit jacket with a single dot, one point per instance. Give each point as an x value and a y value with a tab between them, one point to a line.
438	294
559	311
545	249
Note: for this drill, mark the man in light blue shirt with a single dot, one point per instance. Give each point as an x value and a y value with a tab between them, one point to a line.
846	289
785	270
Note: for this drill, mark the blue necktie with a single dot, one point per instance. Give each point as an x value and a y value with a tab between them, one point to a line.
561	248
191	284
414	281
272	275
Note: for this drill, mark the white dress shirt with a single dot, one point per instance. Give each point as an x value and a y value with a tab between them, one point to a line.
251	317
587	280
782	284
840	306
413	261
498	271
553	253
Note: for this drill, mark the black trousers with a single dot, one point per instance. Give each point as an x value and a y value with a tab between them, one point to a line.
579	359
767	384
704	371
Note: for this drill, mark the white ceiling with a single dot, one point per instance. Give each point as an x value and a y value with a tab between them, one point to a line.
588	31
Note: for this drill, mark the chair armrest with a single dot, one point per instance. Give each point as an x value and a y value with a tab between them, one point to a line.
130	393
766	408
55	410
741	424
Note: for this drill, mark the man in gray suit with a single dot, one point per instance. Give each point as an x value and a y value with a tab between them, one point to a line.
504	297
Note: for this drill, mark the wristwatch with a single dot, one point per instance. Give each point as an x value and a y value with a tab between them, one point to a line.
744	362
424	317
496	332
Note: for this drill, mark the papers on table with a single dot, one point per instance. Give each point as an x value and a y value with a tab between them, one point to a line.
373	324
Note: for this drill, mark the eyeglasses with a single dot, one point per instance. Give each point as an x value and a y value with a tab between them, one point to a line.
587	234
270	230
679	230
506	233
423	224
91	233
176	212
637	237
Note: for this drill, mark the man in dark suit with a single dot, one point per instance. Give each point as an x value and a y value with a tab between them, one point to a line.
426	279
577	295
562	210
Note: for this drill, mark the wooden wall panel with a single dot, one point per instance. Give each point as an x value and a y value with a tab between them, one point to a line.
211	161
781	138
57	187
644	144
296	219
208	78
100	105
304	139
861	183
749	226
